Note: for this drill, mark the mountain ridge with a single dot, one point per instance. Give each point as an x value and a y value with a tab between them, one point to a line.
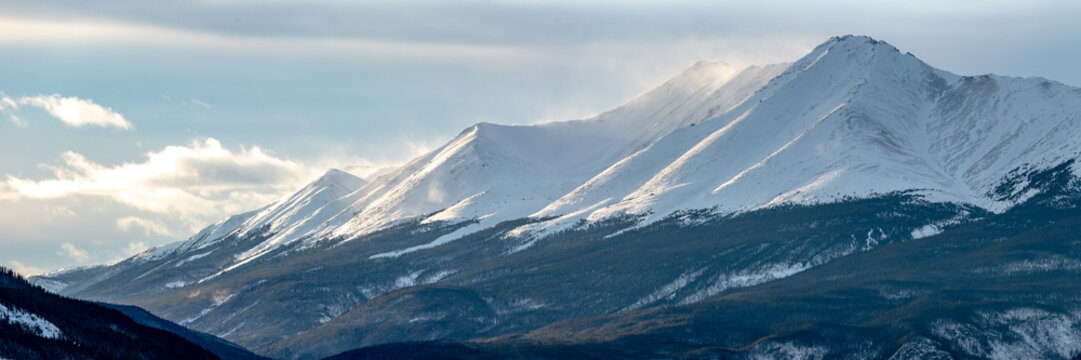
855	123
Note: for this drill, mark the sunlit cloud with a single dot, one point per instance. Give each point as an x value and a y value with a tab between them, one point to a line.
7	102
147	226
368	170
71	110
77	112
135	248
60	211
77	254
196	183
18	121
200	103
25	270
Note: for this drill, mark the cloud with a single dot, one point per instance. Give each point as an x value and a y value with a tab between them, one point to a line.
18	121
200	103
71	110
25	270
60	211
16	31
368	170
149	227
73	252
77	112
7	102
176	189
135	248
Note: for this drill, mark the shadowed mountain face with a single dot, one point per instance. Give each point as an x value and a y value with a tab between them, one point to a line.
35	324
856	202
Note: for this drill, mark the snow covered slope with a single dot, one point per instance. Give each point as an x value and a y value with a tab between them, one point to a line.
853	118
496	173
281	222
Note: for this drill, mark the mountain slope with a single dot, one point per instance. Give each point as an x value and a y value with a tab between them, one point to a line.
1000	287
219	247
37	325
223	349
500	173
718	180
1003	287
852	118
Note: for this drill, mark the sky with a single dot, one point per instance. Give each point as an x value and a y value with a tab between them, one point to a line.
127	124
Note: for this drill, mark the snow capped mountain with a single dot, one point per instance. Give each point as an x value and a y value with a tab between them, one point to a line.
295	216
496	172
894	150
489	172
854	117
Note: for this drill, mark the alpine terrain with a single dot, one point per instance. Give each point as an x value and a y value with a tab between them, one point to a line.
856	203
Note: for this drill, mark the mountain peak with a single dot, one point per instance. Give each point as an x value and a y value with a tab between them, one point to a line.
852	53
856	38
708	64
702	74
856	43
341	178
334	173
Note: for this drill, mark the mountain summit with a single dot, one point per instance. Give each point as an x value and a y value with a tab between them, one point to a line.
718	185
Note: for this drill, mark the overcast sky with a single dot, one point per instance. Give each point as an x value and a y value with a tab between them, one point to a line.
127	124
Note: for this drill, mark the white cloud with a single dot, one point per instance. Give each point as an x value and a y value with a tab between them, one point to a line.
135	248
177	189
18	121
71	110
17	31
7	102
149	227
77	112
25	270
200	103
73	252
60	211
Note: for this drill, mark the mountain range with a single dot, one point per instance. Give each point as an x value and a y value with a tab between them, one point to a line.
854	203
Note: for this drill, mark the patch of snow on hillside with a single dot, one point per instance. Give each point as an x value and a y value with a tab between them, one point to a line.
455	235
920	348
175	284
434	278
51	285
667	291
898	293
517	305
872	241
746	278
1020	333
1040	263
788	350
937	227
926	231
32	322
407	281
218	301
193	258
